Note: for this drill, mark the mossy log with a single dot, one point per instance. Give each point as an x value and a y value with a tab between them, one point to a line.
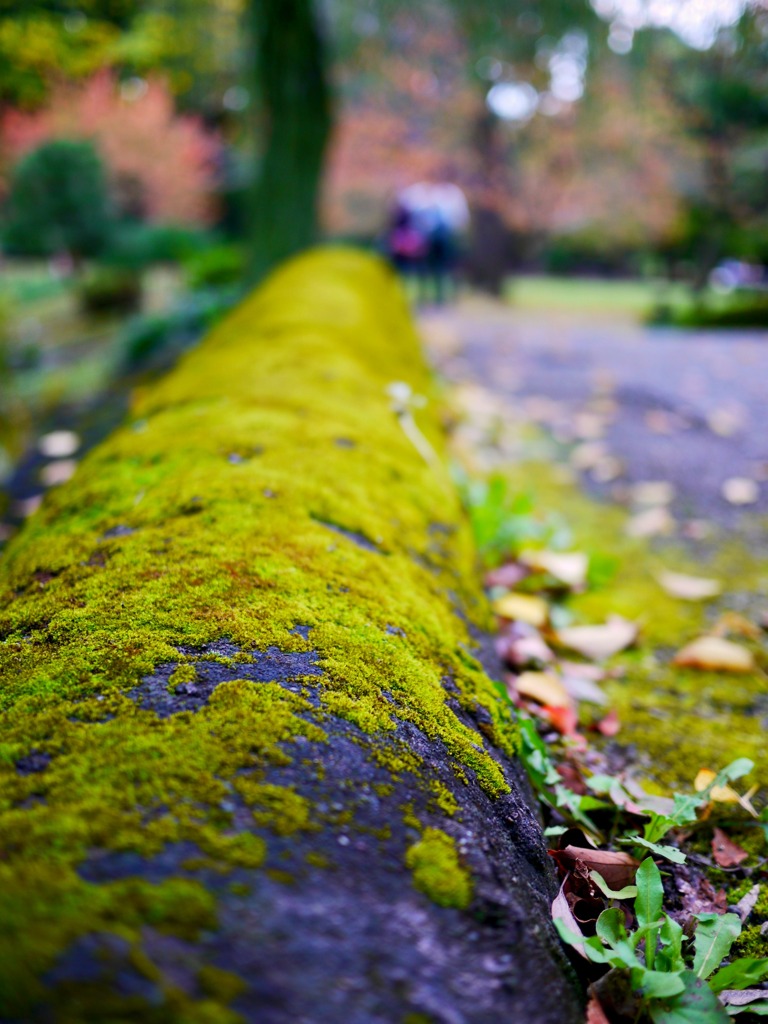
251	769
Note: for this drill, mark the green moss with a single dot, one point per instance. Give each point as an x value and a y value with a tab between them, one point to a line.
437	870
751	943
219	984
212	547
185	673
444	798
280	808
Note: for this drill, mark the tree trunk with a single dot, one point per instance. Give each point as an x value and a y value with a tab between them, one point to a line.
251	770
294	97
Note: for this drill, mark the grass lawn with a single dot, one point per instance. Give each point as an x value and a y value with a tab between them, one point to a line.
630	299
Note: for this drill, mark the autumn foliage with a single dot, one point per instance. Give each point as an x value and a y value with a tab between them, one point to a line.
161	164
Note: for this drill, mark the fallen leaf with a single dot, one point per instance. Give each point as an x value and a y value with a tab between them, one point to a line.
652	492
689	588
608	468
595	1012
520	650
700	898
727	854
587	455
732	622
59	444
746	904
741	996
726	422
561	911
697	529
568	567
522	607
543	687
651	522
599	642
716	655
718	794
56	473
609	725
573	778
507	576
740	490
564	719
618	869
660	421
582	687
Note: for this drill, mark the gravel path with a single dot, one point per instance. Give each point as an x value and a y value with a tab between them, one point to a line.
690	408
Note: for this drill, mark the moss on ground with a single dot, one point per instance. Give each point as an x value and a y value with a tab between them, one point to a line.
676	720
264	492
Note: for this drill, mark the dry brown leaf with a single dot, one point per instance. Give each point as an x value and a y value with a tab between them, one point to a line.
726	421
740	490
719	794
610	725
716	655
741	996
607	469
564	719
599	642
727	854
746	904
651	522
561	911
618	869
544	688
522	608
520	650
732	622
507	576
59	444
587	455
652	492
56	473
570	567
582	688
689	588
595	1012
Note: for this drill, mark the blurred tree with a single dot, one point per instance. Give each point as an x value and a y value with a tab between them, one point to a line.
721	94
160	164
291	79
58	202
292	83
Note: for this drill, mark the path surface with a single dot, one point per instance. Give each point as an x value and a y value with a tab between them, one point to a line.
687	407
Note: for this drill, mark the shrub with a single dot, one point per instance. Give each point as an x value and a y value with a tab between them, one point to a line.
139	245
216	267
58	202
110	289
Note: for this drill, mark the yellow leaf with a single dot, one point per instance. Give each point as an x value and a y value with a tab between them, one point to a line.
720	794
689	588
543	687
569	567
716	655
599	642
522	608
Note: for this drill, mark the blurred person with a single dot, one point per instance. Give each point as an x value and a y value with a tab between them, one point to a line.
431	221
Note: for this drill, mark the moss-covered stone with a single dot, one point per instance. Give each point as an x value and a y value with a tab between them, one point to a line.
437	870
231	649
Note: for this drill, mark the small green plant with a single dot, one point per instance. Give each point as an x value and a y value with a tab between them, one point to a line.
677	981
502	520
684	812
